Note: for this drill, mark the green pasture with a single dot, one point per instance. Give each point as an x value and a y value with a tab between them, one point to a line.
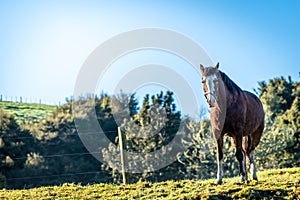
272	184
25	112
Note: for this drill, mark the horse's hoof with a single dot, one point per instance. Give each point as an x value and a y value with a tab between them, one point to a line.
244	180
218	182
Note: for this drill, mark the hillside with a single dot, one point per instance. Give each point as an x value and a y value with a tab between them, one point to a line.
273	184
27	111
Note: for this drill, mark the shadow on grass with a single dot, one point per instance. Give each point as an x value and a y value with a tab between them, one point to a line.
251	193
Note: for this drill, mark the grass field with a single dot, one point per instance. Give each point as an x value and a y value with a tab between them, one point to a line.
273	184
27	111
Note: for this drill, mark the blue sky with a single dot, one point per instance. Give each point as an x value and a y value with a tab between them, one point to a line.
43	44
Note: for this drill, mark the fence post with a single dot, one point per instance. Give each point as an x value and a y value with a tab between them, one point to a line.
122	143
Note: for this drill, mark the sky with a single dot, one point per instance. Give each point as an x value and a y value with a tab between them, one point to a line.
43	44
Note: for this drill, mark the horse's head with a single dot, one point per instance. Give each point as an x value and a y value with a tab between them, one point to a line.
210	80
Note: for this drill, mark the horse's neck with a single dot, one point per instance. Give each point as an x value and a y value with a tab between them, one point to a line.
232	99
218	113
222	95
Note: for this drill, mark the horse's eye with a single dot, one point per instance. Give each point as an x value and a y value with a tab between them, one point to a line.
203	80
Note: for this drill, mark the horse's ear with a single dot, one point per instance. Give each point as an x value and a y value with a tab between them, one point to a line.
201	68
217	65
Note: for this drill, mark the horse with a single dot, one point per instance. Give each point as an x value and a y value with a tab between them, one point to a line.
235	113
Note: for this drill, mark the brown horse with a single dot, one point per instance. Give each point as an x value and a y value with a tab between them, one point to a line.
235	113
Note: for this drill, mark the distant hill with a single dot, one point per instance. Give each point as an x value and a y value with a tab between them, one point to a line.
27	111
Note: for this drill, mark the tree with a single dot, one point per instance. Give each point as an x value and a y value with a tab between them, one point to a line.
150	129
15	144
61	154
276	96
279	146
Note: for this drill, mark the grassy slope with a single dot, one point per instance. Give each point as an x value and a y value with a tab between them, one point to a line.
27	111
273	184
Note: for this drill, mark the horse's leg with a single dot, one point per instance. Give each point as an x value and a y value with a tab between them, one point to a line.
240	155
219	160
249	149
252	166
246	145
255	138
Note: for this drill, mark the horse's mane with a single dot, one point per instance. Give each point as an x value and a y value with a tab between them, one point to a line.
232	87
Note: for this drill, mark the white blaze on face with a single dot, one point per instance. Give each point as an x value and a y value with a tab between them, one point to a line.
210	82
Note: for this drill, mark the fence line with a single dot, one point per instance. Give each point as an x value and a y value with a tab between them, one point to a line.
76	133
21	99
61	155
83	153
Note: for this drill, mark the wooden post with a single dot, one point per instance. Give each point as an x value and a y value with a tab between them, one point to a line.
122	143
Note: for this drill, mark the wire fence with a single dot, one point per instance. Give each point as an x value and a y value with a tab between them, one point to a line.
6	98
57	155
30	100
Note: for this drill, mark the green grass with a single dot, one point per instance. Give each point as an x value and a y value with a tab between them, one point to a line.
27	111
273	184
